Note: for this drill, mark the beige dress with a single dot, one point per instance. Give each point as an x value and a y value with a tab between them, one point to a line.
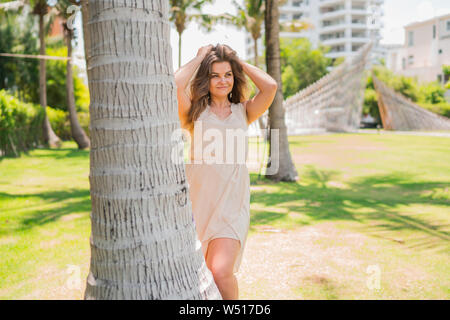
220	190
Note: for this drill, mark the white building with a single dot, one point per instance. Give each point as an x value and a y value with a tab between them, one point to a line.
343	25
425	51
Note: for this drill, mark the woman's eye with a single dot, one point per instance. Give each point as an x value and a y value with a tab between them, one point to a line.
227	75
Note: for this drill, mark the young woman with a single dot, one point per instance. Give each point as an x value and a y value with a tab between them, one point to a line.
220	192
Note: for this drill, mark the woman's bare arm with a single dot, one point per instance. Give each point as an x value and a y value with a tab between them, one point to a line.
182	77
267	89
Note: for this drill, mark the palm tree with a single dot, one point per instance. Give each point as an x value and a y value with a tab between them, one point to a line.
77	131
143	238
250	17
180	17
40	8
286	169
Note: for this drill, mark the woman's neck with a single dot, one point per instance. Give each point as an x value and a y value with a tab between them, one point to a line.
220	102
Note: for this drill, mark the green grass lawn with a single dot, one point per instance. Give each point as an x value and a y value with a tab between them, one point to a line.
390	191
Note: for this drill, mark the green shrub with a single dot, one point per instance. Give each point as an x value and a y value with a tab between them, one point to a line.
442	108
83	117
371	104
60	123
432	93
446	70
290	82
20	125
56	83
406	86
59	120
430	96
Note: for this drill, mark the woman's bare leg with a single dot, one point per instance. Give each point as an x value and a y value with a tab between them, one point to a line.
220	258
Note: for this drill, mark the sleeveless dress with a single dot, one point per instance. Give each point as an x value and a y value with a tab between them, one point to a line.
219	184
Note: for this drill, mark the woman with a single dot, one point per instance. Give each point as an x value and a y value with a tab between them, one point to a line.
220	192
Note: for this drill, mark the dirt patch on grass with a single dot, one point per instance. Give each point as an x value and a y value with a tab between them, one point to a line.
350	149
72	216
8	240
322	262
50	244
53	283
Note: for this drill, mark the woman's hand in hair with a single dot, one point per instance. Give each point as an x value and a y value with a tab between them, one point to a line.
203	51
267	90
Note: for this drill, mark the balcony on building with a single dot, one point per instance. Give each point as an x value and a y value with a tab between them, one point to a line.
360	37
333	38
324	3
296	5
333	25
359	21
332	11
337	51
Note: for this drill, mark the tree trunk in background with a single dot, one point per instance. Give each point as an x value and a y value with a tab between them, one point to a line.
179	50
143	239
50	138
77	131
255	49
286	170
255	62
84	18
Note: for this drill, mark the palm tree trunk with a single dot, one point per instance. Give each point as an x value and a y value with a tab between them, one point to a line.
279	149
84	18
143	239
77	131
255	62
255	49
179	50
50	137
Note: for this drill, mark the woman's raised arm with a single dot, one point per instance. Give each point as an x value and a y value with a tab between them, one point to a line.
267	89
182	77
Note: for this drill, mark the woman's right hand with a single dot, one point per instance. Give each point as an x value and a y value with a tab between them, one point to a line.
203	51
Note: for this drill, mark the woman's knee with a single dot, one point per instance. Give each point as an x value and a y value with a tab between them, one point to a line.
221	256
221	271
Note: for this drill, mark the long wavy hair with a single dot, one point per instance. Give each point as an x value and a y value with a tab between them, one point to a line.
199	88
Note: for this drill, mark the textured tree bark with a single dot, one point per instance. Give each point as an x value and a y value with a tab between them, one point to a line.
255	50
77	131
50	137
84	18
143	239
179	50
286	170
255	62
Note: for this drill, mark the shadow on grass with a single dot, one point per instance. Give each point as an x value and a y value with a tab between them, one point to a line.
62	153
372	201
56	153
79	202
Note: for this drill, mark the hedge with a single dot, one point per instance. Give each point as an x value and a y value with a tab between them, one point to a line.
21	124
429	95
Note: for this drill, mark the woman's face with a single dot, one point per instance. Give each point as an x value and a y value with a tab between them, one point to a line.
221	79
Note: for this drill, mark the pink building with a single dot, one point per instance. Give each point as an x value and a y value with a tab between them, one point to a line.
425	51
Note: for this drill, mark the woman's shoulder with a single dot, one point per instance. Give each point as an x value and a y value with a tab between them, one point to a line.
241	106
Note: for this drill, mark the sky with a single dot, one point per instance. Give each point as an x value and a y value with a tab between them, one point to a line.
397	14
